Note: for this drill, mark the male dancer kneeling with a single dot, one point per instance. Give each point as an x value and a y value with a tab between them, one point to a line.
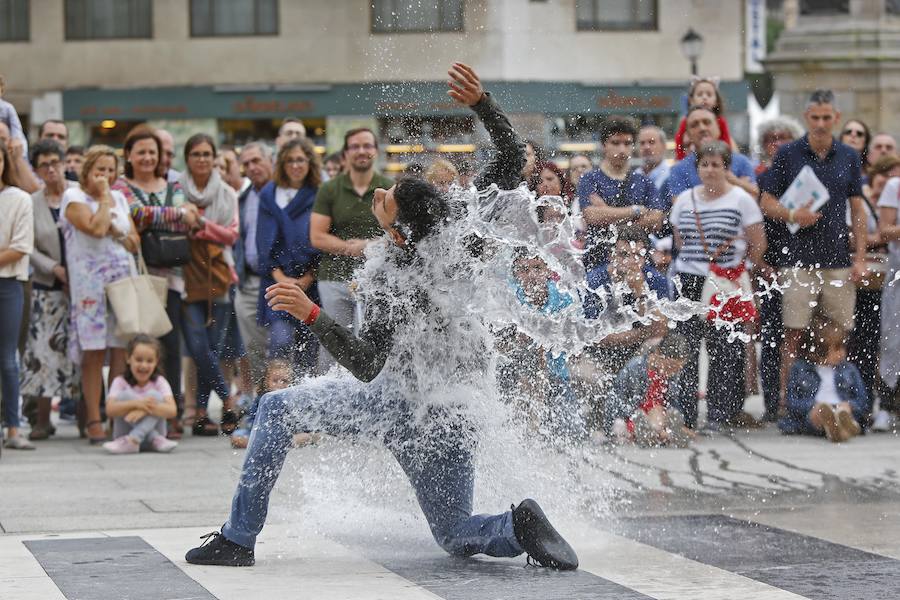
434	449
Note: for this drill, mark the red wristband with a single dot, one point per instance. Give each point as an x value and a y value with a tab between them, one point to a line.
313	315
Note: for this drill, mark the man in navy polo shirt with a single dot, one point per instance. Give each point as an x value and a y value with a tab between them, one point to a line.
702	128
820	276
613	196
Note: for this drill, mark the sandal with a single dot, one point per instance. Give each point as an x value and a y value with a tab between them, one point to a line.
95	440
204	427
229	421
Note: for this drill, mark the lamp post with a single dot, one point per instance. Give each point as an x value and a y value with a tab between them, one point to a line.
692	48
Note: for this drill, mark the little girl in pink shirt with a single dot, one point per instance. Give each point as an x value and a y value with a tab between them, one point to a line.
140	402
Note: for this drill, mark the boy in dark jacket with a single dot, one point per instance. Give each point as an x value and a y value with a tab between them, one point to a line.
825	393
434	449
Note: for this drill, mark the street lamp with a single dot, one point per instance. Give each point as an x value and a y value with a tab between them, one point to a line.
692	48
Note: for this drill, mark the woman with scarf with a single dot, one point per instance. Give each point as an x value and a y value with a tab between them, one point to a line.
208	277
285	252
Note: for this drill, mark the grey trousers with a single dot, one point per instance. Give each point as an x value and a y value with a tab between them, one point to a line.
340	306
254	336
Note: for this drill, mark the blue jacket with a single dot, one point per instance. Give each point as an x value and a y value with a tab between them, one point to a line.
282	240
803	384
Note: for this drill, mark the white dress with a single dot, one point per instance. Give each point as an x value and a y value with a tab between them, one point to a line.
93	263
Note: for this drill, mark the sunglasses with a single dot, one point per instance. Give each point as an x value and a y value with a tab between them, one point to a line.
854	132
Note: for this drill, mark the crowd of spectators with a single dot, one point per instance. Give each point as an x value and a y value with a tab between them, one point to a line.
812	288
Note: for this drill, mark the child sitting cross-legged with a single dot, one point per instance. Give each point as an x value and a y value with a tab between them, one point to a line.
140	402
641	404
825	392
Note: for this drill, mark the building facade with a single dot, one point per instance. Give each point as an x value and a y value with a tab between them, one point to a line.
851	47
235	68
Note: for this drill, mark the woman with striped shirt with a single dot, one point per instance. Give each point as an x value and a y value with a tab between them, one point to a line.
714	222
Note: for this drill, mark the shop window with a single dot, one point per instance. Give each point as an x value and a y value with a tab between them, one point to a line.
13	20
108	19
623	15
211	18
397	16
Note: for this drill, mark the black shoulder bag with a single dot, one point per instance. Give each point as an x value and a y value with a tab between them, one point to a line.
165	248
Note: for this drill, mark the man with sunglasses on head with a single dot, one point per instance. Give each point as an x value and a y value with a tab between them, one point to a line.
433	440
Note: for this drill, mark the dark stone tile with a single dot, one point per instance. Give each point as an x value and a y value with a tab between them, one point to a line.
127	568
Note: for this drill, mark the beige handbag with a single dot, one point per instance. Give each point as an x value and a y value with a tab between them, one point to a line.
139	304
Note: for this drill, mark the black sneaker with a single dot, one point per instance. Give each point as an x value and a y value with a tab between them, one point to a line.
216	550
540	540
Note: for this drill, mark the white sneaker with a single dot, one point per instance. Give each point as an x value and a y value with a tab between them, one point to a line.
161	444
122	445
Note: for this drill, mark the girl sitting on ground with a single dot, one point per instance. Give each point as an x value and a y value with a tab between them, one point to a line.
825	392
140	402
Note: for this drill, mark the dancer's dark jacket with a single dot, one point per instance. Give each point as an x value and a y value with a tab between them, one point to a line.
364	356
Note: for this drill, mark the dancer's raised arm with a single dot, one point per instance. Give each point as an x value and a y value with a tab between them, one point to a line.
505	168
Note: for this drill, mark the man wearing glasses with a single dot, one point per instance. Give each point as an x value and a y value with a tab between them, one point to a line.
341	226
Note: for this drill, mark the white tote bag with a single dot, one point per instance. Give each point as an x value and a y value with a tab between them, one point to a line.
139	304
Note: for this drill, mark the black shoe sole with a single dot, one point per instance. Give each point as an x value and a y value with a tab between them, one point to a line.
219	563
540	539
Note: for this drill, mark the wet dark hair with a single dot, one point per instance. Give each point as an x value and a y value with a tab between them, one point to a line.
421	209
42	147
616	125
146	340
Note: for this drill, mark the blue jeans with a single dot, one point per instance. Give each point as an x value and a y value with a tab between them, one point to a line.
12	302
294	342
232	344
203	343
434	452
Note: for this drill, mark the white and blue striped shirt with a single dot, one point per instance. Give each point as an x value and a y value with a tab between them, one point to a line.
724	219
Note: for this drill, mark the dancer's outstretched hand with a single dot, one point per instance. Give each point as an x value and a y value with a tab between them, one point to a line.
465	87
288	296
